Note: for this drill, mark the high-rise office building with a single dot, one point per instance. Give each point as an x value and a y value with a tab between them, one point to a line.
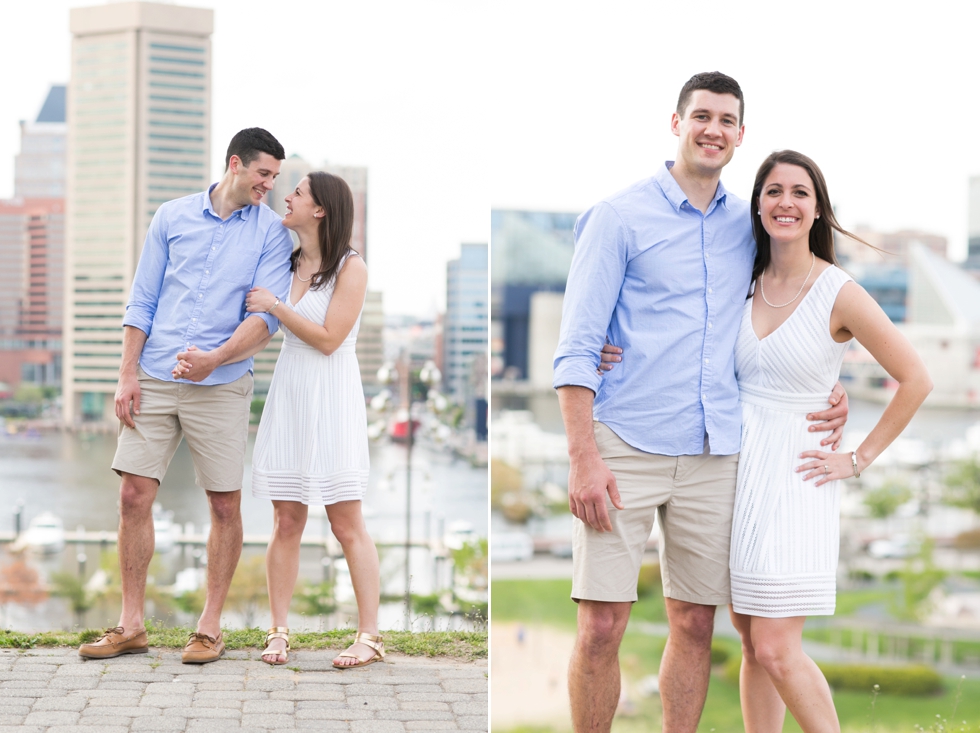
32	251
465	328
31	290
973	226
39	167
532	252
139	120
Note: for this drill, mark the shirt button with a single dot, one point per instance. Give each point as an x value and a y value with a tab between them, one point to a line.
212	249
706	361
703	396
711	290
710	324
706	255
199	296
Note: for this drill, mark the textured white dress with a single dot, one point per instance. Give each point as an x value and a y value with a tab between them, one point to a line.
312	445
786	532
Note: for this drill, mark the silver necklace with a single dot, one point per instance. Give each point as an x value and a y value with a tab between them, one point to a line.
762	285
310	277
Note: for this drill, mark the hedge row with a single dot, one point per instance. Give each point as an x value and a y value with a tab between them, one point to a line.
914	679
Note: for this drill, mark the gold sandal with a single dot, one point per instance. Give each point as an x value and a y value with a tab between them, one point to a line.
277	632
375	642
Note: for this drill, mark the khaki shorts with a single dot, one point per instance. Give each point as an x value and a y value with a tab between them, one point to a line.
213	418
693	496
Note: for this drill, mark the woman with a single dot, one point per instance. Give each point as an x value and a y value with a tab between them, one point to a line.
785	535
311	446
795	328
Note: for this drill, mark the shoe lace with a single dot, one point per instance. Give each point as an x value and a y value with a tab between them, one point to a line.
113	630
208	641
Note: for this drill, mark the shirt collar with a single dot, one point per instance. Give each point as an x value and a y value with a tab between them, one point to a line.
209	209
676	196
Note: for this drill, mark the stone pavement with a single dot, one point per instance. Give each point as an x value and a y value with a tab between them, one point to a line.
54	690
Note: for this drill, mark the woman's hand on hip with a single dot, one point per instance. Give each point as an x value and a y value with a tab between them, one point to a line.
825	466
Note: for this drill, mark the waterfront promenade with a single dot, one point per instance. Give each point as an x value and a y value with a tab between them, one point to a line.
53	690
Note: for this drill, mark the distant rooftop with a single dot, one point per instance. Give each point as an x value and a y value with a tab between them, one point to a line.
943	292
53	109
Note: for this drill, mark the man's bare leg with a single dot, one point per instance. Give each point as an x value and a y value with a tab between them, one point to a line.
593	673
136	542
686	665
224	549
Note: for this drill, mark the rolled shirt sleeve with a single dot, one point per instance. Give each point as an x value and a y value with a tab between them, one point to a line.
272	271
591	293
148	280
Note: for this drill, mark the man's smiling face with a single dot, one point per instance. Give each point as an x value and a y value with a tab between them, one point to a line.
253	181
709	131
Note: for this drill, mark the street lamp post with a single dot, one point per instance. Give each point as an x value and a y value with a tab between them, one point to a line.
428	376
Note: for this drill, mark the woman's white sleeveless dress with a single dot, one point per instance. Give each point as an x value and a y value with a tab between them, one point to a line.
312	444
786	531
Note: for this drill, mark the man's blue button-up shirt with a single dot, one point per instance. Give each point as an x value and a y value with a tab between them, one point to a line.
193	275
667	283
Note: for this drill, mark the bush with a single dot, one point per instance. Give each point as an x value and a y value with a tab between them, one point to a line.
719	653
649	583
913	679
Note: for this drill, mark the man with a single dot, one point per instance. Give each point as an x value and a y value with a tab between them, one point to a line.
202	255
661	269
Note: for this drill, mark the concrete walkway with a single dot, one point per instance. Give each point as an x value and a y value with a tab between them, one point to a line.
54	690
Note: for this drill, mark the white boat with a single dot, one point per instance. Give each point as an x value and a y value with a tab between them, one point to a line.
458	534
45	534
164	531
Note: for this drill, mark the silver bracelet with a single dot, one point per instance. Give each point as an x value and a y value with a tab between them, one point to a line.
854	464
273	306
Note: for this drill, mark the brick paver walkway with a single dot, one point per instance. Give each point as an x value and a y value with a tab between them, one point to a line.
54	690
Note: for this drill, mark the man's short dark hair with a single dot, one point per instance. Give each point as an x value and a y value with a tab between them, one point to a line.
251	141
712	81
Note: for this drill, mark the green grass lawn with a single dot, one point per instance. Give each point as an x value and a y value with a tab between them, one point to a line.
547	602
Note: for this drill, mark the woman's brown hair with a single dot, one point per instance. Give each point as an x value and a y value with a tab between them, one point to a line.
822	231
333	195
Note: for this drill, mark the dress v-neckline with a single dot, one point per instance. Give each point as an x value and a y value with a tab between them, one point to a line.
799	305
291	303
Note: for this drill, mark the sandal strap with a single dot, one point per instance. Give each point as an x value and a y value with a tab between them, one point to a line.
372	641
277	635
279	629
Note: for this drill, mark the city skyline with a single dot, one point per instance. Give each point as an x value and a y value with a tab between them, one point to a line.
412	124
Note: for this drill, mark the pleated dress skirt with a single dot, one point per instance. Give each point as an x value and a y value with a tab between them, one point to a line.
786	531
312	444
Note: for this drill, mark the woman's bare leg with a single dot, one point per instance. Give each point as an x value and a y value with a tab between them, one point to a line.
763	710
778	645
282	566
348	527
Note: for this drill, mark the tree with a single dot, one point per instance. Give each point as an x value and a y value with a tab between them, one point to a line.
963	485
20	584
248	589
919	576
883	501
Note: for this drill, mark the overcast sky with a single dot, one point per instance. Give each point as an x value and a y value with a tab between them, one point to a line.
395	86
884	96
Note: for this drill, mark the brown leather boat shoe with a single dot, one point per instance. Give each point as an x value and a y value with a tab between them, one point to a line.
201	649
113	643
